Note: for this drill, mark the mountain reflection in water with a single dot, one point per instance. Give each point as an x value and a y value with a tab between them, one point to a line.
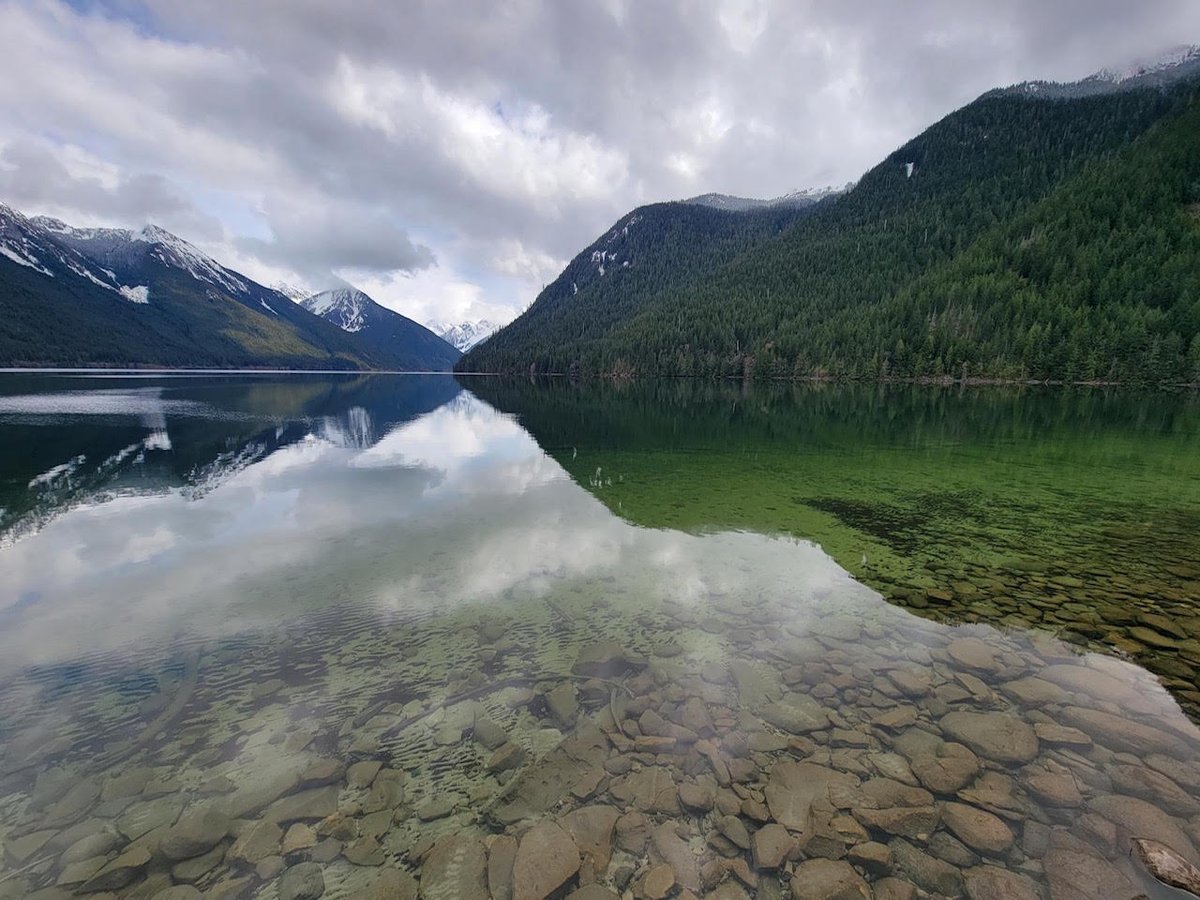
367	625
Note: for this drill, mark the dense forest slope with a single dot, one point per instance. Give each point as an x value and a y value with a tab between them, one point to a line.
1027	235
113	297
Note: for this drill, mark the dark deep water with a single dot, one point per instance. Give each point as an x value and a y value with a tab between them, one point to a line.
385	628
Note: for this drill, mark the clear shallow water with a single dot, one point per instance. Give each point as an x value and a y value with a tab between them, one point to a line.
225	600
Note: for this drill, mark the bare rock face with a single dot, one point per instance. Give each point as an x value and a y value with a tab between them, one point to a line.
455	870
546	858
996	736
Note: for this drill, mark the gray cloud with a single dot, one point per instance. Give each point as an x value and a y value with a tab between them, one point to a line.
32	175
318	239
366	138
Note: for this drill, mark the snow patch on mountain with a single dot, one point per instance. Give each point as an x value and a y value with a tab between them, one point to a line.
293	293
345	307
1158	72
464	335
804	197
175	251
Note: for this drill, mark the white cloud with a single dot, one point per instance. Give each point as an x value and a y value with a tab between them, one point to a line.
334	139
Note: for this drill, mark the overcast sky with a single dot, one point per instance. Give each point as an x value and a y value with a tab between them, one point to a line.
450	157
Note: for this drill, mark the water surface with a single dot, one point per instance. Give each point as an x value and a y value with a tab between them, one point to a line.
394	631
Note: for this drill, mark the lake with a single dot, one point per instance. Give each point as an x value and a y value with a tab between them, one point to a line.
368	636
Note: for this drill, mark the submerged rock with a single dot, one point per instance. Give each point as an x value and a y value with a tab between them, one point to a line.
455	869
304	881
827	879
546	858
997	736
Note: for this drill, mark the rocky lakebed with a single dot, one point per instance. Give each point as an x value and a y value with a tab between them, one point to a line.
813	744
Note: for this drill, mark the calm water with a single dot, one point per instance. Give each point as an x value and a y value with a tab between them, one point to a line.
369	636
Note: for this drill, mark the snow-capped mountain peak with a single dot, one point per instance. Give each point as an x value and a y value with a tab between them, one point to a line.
175	251
463	335
43	244
293	293
345	307
1157	72
1163	62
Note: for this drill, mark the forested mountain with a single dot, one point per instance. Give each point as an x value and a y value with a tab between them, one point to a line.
113	297
1030	234
413	346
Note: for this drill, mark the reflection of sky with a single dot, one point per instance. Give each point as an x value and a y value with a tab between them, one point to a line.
459	506
269	541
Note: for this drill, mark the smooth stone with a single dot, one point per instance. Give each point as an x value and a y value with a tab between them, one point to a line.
178	892
674	850
925	871
1076	871
1061	736
770	846
501	856
310	805
436	809
871	856
1057	789
304	881
793	788
976	828
361	774
546	858
1145	820
119	873
563	703
100	843
992	883
507	756
298	837
656	883
601	660
735	830
996	736
1124	733
488	734
592	827
455	869
196	832
81	870
364	852
948	770
699	797
974	654
796	714
18	850
192	870
258	841
828	879
916	822
388	884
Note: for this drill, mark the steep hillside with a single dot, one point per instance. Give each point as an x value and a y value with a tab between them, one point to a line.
113	297
848	290
644	254
414	347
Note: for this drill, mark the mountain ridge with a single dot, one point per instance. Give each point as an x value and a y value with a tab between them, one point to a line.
118	297
354	312
834	293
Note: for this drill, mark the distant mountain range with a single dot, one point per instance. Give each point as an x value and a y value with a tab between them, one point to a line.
377	326
115	297
801	198
1043	231
463	335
